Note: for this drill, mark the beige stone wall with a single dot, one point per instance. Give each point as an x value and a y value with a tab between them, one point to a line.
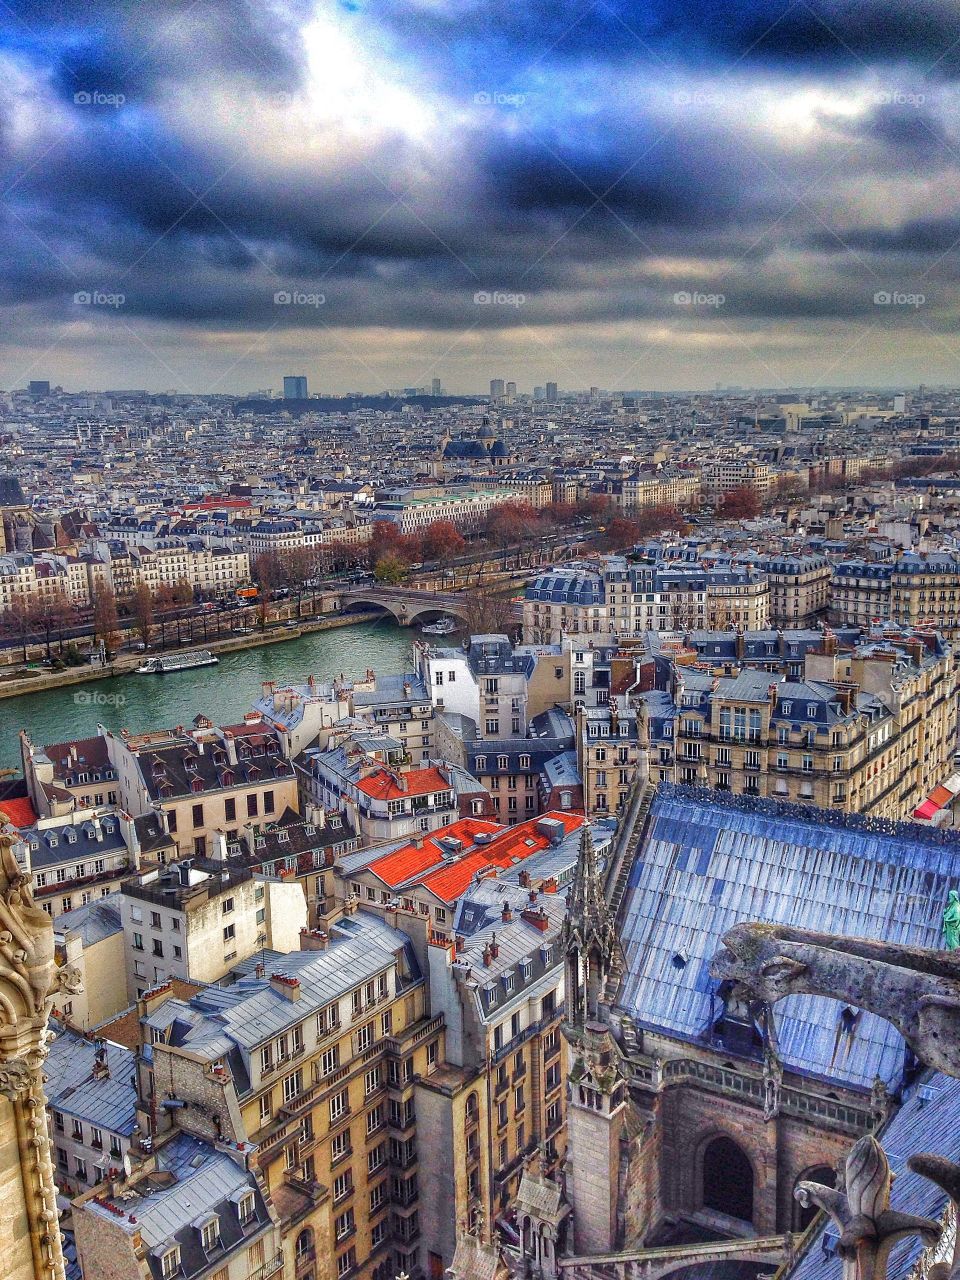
106	1251
546	689
104	983
593	1146
16	1261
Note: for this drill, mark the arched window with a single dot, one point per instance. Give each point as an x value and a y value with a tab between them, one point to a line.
304	1247
803	1216
727	1180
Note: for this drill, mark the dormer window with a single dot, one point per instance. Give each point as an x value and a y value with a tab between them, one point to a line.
210	1234
170	1262
52	841
196	784
507	981
246	1208
70	835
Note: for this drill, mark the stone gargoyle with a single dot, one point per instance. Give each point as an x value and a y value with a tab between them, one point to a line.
916	989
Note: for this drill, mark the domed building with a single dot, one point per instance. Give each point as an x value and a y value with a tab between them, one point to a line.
477	452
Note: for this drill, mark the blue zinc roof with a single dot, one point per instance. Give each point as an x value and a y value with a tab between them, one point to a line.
709	861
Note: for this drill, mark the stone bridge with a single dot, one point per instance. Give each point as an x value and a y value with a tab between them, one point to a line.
655	1264
406	604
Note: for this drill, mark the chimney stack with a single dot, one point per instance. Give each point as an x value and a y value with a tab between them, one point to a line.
289	988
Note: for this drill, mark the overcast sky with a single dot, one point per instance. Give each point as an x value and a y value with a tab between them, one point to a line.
666	195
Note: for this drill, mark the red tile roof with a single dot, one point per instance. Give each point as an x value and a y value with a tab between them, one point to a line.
448	876
382	784
505	850
19	811
409	861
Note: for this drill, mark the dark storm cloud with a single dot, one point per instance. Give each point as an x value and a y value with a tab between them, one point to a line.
135	48
631	167
790	36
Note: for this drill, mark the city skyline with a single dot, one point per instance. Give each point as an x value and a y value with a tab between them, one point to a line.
595	193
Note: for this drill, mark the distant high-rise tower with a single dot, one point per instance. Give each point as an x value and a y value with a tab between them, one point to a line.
496	388
511	392
295	388
436	389
38	389
538	393
551	392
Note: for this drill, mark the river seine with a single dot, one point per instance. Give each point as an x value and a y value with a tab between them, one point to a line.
223	692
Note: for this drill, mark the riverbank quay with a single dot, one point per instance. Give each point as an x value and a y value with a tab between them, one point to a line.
125	664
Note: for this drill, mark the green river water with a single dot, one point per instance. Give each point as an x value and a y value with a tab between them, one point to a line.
223	692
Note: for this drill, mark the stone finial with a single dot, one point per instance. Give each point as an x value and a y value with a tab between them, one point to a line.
868	1227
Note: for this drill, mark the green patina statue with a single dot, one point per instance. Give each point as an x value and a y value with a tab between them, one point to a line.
951	922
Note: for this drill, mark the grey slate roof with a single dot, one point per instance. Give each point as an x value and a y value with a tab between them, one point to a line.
249	1011
709	861
206	1181
109	1103
94	921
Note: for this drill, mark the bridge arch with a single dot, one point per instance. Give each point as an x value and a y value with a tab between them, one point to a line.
355	604
405	608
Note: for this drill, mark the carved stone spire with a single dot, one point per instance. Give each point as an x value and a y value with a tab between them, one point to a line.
589	937
29	1231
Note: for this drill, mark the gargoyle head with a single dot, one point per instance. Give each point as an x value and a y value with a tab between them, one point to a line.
758	963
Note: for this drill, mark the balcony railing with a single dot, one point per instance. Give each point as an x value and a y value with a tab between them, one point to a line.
269	1268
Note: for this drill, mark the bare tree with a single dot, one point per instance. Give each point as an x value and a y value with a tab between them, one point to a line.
487	613
142	606
105	620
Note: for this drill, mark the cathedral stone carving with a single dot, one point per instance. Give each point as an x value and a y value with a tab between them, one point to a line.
30	1244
